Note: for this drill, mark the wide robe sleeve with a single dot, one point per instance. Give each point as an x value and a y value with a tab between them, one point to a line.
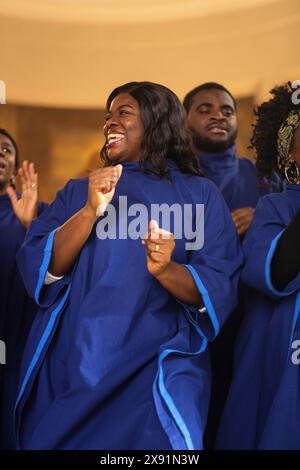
259	246
215	268
34	256
33	259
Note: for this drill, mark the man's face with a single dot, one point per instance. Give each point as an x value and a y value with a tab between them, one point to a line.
212	121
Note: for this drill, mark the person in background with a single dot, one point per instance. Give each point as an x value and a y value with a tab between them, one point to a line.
263	406
16	310
212	124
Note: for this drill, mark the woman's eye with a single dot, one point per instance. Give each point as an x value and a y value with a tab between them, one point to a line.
6	150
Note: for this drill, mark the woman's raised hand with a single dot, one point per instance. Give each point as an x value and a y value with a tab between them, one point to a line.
160	245
25	208
102	185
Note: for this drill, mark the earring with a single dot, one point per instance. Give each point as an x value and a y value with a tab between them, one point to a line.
291	172
12	181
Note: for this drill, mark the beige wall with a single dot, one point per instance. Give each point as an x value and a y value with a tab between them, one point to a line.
72	53
61	58
65	143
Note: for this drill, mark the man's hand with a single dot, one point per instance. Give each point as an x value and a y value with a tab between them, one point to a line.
242	219
25	208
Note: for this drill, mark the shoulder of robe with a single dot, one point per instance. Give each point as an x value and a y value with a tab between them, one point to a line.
72	196
75	188
205	187
275	203
246	163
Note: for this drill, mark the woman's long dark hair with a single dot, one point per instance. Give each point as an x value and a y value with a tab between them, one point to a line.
165	135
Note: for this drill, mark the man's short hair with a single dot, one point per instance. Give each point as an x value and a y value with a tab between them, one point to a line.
187	102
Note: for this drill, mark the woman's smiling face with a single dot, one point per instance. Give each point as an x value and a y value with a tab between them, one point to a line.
7	161
124	129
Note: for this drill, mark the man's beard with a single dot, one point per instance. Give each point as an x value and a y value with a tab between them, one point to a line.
207	145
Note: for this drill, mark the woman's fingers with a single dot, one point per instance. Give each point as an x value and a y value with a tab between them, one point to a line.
31	172
12	196
104	186
28	176
22	178
154	248
157	234
105	179
107	173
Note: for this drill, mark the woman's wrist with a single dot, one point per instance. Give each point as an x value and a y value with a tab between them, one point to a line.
89	213
163	274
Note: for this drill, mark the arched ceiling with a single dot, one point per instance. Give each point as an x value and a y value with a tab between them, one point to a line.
71	53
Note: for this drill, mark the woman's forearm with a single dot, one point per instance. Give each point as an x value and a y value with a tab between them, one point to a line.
179	282
69	240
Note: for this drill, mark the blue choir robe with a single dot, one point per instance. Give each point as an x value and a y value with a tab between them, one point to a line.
239	184
263	406
113	360
237	178
16	314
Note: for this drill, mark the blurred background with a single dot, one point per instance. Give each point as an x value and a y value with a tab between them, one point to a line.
61	58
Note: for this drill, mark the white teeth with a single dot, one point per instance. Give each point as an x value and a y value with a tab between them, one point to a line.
114	137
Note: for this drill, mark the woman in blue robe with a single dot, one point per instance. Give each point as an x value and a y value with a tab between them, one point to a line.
262	410
117	355
16	309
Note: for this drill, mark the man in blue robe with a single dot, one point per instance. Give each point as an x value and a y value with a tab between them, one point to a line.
212	123
117	356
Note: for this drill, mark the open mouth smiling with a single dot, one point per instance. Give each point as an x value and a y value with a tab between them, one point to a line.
113	138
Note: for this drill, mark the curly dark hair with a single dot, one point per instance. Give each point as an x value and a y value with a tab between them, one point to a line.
269	117
165	134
